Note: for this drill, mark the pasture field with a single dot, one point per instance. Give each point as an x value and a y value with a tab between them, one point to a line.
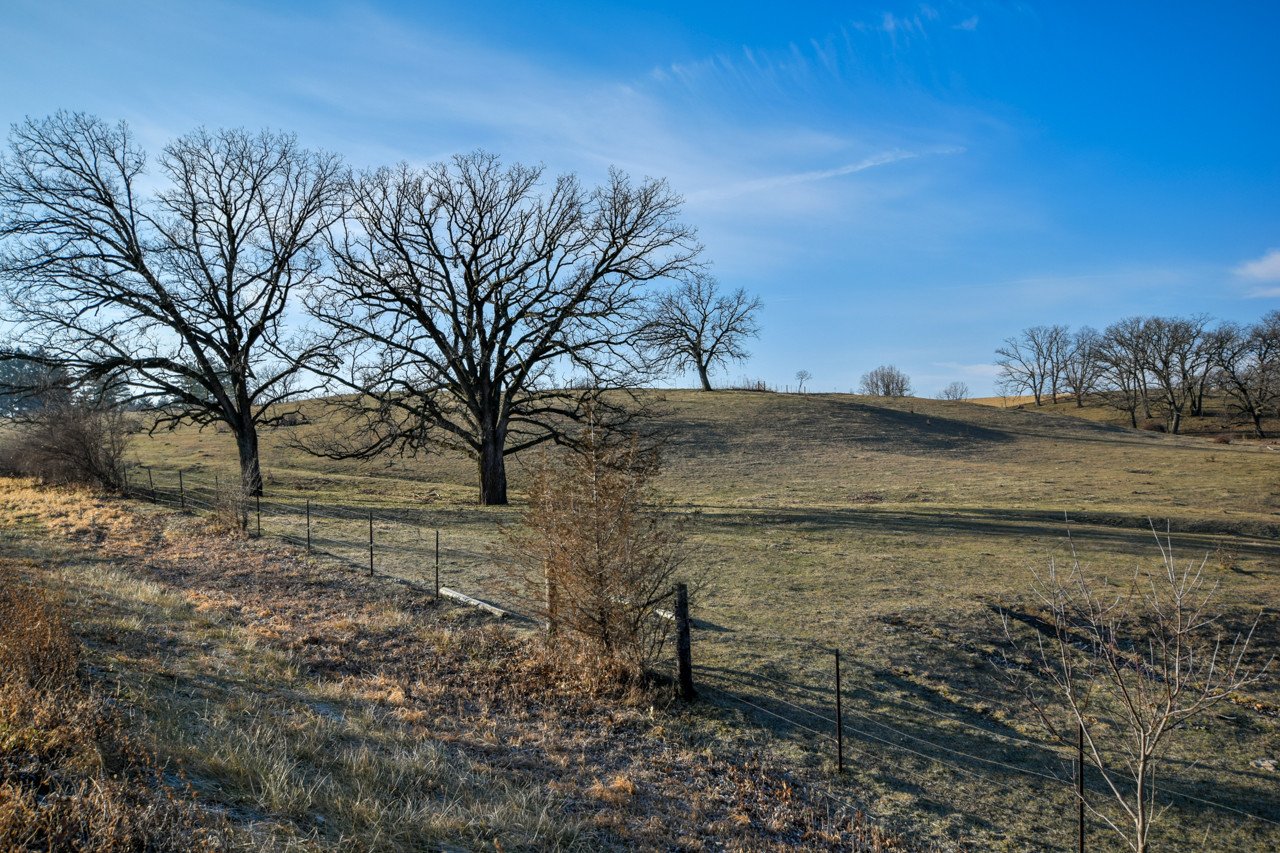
892	530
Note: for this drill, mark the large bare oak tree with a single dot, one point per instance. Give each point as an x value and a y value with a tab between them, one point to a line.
477	308
176	284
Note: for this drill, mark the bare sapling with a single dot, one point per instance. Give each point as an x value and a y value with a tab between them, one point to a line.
597	551
1127	666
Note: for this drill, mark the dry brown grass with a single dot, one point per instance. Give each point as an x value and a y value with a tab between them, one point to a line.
322	709
71	779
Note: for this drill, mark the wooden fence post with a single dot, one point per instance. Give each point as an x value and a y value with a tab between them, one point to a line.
684	644
839	720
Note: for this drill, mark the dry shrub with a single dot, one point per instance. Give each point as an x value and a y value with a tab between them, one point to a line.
597	551
1222	438
68	443
71	779
230	513
1153	425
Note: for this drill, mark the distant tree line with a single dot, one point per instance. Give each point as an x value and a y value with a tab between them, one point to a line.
1151	367
469	304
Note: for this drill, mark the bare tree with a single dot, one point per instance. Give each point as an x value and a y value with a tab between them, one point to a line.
802	376
1082	364
464	292
885	381
1123	356
1249	368
696	326
955	391
1175	358
1031	362
178	294
1129	666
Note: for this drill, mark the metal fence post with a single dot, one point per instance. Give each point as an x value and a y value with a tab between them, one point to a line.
437	563
182	491
370	543
839	720
684	645
308	525
257	503
1080	784
152	483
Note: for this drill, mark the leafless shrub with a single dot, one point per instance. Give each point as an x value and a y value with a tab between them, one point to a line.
69	443
230	513
597	551
955	391
1153	425
885	381
1129	665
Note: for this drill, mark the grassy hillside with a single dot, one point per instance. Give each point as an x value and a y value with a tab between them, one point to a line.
891	529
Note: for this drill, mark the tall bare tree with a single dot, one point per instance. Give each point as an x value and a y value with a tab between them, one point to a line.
697	326
178	293
477	309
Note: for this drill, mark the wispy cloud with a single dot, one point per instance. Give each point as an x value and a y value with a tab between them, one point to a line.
774	182
1265	268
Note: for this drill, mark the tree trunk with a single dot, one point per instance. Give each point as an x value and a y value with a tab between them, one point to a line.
1257	424
702	375
493	473
250	466
1175	422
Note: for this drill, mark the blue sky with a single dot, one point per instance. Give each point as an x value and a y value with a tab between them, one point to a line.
904	183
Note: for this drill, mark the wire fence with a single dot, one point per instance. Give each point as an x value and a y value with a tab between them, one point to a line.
835	703
407	544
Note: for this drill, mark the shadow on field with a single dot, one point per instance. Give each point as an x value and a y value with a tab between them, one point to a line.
1126	533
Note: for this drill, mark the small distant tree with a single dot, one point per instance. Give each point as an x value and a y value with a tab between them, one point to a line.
1122	354
597	549
1032	362
1248	369
885	381
1129	665
1082	364
696	326
955	391
802	376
